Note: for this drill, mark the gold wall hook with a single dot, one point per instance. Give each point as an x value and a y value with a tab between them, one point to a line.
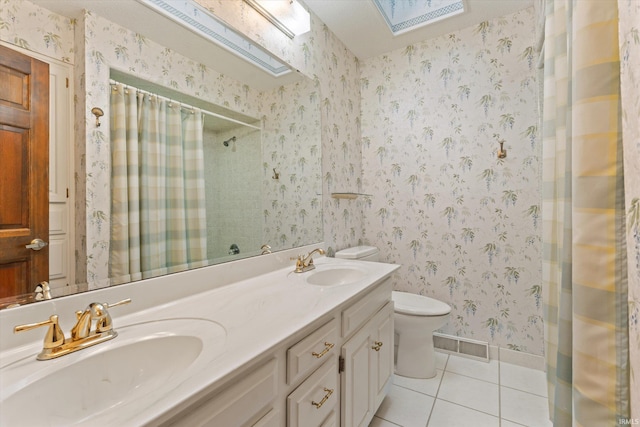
502	153
98	113
276	175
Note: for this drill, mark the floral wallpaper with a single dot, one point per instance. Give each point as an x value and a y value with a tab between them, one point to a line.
464	224
36	29
291	134
629	40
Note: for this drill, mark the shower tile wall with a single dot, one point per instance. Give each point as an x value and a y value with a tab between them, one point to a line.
233	178
464	225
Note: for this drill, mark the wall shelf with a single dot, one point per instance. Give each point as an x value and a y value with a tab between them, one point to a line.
348	196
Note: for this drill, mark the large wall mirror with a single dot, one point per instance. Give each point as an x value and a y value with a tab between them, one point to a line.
261	135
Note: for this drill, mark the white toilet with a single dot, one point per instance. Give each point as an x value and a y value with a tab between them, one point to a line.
415	319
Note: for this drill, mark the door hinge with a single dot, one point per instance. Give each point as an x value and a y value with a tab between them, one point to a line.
340	364
67	79
67	193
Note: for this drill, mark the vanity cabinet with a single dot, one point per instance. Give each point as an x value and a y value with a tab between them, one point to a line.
247	401
335	372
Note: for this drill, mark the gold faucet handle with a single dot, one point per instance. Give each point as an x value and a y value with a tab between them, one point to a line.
115	304
298	259
104	323
299	262
54	337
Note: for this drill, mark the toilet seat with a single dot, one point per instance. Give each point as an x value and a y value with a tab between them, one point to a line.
418	305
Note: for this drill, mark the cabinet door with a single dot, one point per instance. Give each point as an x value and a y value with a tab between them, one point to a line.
357	387
382	325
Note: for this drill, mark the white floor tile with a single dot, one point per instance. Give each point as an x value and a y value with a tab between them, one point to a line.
507	423
474	368
441	360
524	379
406	407
524	408
429	386
379	422
446	414
470	392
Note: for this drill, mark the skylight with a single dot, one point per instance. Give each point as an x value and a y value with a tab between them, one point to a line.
406	15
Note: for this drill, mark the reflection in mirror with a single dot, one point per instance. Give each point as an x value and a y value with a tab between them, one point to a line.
170	212
246	207
187	183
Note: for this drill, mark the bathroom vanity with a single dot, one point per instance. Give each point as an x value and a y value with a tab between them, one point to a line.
275	349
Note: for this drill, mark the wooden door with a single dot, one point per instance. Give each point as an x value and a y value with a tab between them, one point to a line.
24	171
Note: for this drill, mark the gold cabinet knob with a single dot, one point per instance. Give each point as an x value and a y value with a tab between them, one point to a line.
377	346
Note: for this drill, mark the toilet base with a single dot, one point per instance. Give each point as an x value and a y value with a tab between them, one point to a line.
416	357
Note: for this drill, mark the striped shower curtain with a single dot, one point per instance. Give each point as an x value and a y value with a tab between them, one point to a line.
158	219
584	258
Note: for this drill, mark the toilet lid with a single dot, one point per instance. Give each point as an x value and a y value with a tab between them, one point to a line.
356	252
418	305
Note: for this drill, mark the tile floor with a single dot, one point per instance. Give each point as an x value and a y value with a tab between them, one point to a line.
466	393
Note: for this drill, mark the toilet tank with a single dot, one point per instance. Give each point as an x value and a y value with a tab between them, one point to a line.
362	253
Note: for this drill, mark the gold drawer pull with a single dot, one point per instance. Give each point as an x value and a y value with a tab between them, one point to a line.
377	345
318	405
328	346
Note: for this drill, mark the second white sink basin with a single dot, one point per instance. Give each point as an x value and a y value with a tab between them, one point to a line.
336	275
129	373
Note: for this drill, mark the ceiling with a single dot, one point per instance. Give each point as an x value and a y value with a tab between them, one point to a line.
363	29
364	26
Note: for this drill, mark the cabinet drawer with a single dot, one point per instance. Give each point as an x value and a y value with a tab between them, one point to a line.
272	419
354	316
313	401
241	404
312	351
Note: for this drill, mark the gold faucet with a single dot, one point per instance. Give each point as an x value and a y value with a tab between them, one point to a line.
55	343
305	262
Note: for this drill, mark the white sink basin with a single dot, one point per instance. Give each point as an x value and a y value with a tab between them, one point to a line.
127	374
336	275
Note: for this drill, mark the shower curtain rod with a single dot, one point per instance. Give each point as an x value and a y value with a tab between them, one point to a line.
182	104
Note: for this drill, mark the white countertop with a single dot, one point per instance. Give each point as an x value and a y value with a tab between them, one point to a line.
253	316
